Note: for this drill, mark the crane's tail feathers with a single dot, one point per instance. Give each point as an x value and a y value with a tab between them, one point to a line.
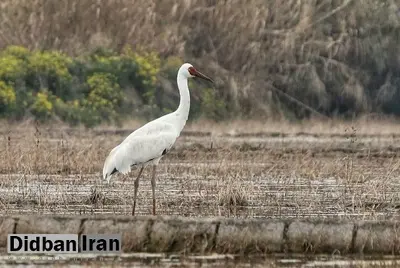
107	176
109	167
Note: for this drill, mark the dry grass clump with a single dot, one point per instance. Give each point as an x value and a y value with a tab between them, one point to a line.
96	197
233	192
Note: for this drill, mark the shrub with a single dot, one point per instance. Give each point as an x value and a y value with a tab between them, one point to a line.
7	97
42	106
95	87
104	98
17	51
50	69
13	64
212	106
149	65
11	68
50	62
70	111
123	68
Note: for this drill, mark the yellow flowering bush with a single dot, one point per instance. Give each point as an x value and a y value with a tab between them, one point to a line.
16	51
104	97
149	65
11	68
42	106
50	70
104	91
50	62
95	87
7	96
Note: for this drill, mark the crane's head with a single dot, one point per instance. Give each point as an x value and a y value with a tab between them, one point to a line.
188	71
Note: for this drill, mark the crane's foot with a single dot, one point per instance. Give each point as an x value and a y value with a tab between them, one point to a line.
154	207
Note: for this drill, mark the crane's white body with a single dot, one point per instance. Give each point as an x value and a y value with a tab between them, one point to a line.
147	145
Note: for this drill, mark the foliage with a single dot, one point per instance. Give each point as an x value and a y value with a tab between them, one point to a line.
11	68
50	62
50	69
104	98
148	68
7	97
212	106
17	51
42	106
100	86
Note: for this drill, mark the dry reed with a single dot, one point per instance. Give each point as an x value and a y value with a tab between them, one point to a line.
337	57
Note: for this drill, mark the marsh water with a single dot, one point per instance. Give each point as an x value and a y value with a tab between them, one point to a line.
215	260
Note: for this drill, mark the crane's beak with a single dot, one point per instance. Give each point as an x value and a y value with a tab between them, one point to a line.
205	77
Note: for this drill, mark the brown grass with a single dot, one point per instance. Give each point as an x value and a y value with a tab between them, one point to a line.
338	57
291	173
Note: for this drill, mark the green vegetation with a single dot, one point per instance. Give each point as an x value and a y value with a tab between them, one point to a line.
7	97
102	86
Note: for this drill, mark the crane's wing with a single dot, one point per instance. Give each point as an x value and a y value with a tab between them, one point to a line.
152	128
137	150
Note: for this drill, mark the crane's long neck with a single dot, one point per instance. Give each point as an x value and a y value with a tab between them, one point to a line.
184	105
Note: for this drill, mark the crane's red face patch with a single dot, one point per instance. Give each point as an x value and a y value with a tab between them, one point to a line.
192	71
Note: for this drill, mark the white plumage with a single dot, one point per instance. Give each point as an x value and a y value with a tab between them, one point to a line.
142	146
148	144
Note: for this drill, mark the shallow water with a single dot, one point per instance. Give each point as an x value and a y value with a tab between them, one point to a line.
214	260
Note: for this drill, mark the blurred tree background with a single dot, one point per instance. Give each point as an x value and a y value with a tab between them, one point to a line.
95	61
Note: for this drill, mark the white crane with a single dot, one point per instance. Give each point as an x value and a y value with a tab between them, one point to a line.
149	143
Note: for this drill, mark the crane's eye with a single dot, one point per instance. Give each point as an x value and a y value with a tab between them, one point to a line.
192	70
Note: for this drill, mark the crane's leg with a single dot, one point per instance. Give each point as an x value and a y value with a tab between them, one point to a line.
136	189
153	188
